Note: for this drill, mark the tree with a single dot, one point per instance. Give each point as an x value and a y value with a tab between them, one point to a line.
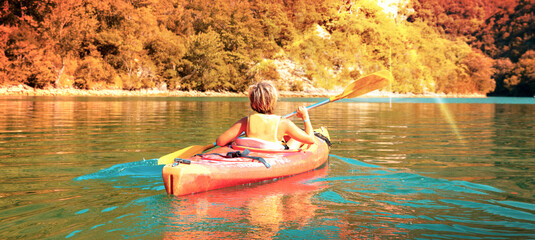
509	32
202	64
92	73
4	61
166	49
66	28
522	82
27	56
479	69
29	62
502	70
276	25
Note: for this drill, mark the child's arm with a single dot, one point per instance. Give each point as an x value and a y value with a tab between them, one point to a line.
296	133
232	133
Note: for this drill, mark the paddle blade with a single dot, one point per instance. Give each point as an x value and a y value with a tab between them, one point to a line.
183	153
365	85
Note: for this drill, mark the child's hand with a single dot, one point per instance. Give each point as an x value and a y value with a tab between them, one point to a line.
302	112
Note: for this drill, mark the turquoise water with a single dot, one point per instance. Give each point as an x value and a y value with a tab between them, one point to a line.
86	168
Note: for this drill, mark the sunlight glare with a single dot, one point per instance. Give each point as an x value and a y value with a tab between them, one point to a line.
449	118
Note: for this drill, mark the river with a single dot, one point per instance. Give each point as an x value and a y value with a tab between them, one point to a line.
416	168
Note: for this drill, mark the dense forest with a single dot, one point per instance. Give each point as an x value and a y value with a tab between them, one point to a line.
431	46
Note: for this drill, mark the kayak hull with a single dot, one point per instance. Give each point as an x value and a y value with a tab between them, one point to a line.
213	171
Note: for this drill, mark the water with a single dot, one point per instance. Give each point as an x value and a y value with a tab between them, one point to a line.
85	168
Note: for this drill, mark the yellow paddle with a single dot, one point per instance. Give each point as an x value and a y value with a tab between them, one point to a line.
184	153
356	88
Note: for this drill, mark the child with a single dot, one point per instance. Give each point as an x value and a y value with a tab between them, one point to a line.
266	128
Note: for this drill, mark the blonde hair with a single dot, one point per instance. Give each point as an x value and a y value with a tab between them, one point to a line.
263	96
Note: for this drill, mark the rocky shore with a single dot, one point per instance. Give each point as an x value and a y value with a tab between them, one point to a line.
24	90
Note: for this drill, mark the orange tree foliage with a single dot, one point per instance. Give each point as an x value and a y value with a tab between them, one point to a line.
508	33
226	44
502	29
4	61
457	17
518	79
26	56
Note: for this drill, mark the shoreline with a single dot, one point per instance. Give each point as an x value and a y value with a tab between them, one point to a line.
24	90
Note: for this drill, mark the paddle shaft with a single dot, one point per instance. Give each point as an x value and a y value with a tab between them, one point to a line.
289	115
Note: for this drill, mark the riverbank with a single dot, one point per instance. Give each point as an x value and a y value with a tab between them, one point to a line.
24	90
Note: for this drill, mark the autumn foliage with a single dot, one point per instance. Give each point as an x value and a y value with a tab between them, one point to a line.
454	46
501	29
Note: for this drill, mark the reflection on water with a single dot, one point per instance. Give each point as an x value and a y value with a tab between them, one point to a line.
260	209
413	170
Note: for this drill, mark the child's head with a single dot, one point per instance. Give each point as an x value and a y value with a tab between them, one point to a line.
263	96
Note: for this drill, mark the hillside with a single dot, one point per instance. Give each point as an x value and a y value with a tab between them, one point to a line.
224	45
501	29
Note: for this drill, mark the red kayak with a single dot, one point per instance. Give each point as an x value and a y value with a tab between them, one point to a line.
236	165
